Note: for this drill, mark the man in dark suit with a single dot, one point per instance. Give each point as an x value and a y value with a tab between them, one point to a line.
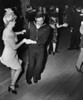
39	32
75	34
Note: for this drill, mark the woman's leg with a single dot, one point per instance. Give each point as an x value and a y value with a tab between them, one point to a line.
80	59
12	74
54	47
48	49
15	75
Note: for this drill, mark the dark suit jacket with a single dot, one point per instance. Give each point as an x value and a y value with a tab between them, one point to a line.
40	35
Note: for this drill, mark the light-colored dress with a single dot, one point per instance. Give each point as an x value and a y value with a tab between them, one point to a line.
9	56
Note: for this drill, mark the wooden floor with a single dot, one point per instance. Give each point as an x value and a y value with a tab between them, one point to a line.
59	81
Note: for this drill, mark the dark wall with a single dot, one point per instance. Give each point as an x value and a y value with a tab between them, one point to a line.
9	3
60	3
48	2
36	3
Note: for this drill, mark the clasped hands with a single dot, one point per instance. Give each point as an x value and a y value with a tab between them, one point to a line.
29	41
58	26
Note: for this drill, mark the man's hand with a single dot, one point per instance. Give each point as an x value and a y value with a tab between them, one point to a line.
23	31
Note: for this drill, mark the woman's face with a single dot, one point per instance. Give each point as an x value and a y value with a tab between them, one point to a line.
12	23
40	8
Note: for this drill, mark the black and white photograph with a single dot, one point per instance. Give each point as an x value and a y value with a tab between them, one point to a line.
41	49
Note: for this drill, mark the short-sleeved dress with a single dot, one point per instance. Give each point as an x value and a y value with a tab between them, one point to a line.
9	56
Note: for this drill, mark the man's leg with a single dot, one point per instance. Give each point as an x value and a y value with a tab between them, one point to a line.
72	41
30	69
77	41
39	66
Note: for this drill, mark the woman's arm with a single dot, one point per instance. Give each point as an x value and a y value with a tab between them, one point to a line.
81	28
63	25
21	32
12	43
16	46
59	26
27	41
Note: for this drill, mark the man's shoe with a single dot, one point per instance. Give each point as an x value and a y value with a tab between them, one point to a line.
29	82
39	77
35	80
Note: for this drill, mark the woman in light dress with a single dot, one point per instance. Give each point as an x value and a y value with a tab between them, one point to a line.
79	63
9	56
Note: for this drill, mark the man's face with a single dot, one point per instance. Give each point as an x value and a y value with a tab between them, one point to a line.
39	21
66	6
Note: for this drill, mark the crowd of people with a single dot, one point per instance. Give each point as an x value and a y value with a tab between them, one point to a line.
42	28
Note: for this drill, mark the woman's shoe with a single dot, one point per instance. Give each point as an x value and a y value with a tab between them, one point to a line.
57	51
53	53
11	90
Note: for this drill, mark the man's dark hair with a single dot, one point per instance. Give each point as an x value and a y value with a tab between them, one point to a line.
38	15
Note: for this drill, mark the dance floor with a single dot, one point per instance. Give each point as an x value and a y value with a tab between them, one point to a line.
59	81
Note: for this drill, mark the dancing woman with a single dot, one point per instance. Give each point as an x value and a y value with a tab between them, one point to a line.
9	56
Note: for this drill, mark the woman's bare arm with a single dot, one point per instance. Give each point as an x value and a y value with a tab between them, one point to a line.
21	32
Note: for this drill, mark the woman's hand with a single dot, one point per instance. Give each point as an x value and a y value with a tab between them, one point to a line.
29	41
65	25
81	22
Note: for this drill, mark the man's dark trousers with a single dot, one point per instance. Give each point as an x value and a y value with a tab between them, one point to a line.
36	57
